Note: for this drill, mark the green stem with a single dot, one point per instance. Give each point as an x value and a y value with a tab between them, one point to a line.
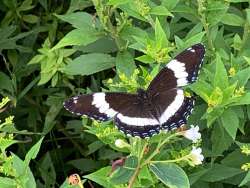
158	148
172	161
201	12
139	166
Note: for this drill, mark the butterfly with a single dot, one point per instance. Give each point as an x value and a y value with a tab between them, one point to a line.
162	106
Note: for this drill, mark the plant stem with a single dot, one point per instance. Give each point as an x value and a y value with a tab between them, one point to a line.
133	178
138	168
157	150
201	12
171	161
148	160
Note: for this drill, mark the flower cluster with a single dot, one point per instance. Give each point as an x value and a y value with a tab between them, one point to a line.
192	134
195	156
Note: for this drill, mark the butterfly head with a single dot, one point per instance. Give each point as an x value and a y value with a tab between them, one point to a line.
142	94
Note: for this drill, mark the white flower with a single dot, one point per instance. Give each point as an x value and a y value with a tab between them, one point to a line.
192	134
121	144
196	156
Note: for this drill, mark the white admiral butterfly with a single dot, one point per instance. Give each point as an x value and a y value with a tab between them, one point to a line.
162	106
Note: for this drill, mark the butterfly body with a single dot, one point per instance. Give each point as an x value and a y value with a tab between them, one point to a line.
162	106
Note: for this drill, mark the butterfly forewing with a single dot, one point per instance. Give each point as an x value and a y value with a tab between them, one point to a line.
100	106
180	71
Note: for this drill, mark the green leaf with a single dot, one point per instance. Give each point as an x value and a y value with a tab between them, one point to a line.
235	159
245	180
7	182
80	20
101	177
220	78
89	64
32	153
241	77
5	143
85	165
230	122
117	2
170	174
215	11
197	38
45	77
55	103
23	172
220	172
5	82
243	100
124	173
78	37
232	19
221	140
125	63
160	10
30	18
194	177
47	171
102	45
145	59
160	35
94	146
202	88
170	4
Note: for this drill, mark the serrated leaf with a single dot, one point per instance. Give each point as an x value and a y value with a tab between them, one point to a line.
170	174
89	64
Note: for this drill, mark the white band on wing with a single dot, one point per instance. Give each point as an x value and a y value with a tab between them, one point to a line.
173	107
179	72
101	104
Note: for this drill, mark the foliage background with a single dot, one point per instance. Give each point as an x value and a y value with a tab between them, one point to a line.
51	50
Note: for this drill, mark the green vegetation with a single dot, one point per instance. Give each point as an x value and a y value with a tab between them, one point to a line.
51	50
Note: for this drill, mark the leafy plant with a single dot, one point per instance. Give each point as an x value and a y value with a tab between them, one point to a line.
51	50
